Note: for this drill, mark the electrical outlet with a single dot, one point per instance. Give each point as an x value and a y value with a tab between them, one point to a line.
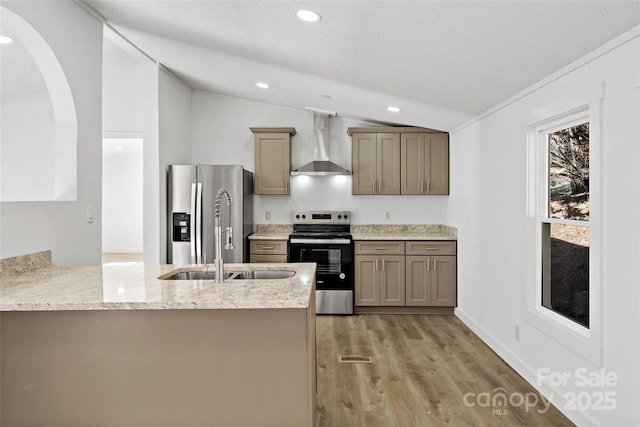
517	333
89	214
387	215
267	215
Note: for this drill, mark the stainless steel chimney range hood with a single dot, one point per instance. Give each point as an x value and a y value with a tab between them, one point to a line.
321	165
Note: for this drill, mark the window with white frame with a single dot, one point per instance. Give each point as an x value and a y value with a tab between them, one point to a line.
564	209
564	218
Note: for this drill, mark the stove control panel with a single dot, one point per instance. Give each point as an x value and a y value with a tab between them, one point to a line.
321	217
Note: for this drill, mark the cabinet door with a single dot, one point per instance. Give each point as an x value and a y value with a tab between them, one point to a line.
443	281
437	161
418	281
412	163
366	280
272	163
363	162
388	163
392	286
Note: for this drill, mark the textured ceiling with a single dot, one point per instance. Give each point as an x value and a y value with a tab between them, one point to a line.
452	59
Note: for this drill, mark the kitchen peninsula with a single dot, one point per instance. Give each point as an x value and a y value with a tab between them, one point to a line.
115	345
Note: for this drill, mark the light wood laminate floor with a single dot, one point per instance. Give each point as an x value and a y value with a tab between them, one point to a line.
422	368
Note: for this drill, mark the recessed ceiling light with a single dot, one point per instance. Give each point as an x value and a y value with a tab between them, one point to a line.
119	147
308	15
393	109
5	39
262	85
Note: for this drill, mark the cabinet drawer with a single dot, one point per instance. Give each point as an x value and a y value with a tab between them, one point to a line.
375	247
268	247
269	259
431	247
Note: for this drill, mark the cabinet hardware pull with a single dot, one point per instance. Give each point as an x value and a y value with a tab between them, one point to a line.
379	186
377	264
422	186
430	249
435	268
428	186
373	186
268	247
286	186
378	248
382	264
428	268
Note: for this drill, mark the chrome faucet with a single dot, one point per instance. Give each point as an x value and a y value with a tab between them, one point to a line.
217	232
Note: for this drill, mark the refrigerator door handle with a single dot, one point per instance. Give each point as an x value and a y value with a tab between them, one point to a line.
192	224
199	224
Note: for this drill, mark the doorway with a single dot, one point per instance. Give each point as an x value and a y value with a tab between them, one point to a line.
122	188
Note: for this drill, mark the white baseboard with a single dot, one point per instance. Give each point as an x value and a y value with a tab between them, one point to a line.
556	396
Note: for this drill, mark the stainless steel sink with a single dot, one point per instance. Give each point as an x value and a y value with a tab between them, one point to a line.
263	274
195	275
228	275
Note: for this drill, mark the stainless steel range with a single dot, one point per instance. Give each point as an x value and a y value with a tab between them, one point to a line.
324	237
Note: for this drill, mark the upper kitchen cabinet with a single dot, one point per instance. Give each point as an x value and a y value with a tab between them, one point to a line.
272	168
424	163
375	161
400	160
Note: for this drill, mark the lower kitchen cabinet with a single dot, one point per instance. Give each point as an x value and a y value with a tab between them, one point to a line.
424	277
269	251
431	281
380	280
379	275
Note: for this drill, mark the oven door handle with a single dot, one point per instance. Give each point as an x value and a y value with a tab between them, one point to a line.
322	241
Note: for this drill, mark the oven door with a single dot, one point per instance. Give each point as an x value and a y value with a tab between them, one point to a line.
333	258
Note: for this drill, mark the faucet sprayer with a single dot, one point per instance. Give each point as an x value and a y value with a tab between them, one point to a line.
219	263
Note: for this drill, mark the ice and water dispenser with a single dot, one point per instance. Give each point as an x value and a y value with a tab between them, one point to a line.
181	227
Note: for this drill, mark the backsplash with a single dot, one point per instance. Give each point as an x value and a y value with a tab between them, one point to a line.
24	263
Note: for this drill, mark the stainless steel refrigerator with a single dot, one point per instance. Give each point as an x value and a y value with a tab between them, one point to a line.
191	200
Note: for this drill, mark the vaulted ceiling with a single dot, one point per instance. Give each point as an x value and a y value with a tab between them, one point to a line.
441	62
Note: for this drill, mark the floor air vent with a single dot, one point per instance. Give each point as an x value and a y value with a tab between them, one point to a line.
355	359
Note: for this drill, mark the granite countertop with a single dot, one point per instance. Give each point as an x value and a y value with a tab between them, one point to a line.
404	232
269	235
401	236
137	287
369	232
272	232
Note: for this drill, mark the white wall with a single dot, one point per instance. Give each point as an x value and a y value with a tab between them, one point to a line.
167	141
122	92
221	135
27	169
488	169
122	195
27	227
